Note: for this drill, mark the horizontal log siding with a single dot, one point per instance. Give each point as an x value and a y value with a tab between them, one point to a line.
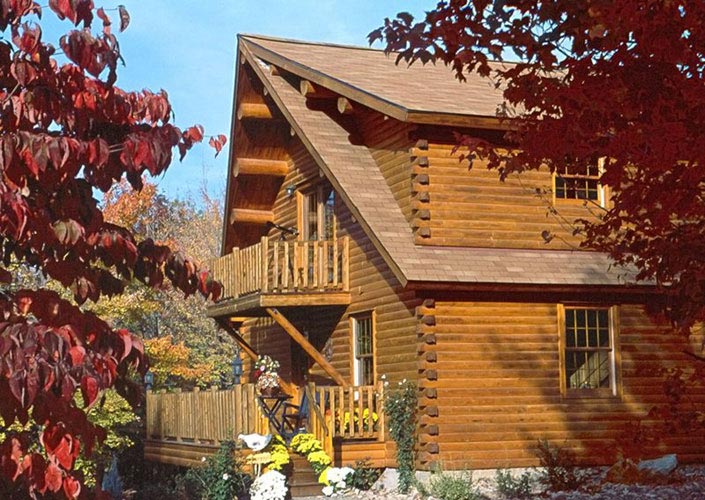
389	144
471	207
497	389
372	285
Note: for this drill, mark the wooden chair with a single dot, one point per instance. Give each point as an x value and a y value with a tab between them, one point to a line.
295	417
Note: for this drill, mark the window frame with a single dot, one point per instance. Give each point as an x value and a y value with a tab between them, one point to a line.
303	198
615	389
355	364
601	190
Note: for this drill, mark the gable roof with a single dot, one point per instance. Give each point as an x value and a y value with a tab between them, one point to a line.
416	93
355	175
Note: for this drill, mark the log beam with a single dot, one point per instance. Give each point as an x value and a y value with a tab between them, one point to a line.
254	166
298	337
345	106
228	327
251	216
253	110
313	91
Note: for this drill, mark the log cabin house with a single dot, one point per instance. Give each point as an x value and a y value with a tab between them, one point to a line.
357	244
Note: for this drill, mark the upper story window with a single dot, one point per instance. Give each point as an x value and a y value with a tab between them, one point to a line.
317	213
588	351
578	182
363	349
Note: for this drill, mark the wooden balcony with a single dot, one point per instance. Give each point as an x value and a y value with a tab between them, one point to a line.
182	427
276	273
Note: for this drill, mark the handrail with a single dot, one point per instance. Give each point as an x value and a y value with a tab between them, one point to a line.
317	424
289	266
355	412
210	416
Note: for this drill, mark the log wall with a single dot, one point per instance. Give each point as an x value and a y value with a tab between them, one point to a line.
462	206
495	388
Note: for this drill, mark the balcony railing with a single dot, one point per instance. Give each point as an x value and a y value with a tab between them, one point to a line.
276	266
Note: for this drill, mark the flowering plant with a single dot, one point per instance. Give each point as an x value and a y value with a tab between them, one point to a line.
267	381
265	364
368	422
336	479
269	486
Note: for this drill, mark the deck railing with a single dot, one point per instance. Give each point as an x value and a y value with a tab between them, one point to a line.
352	412
208	416
276	266
212	416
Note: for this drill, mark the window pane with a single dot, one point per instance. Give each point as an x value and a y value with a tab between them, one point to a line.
588	356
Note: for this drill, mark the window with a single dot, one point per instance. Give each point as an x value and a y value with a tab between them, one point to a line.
588	352
363	349
317	214
572	182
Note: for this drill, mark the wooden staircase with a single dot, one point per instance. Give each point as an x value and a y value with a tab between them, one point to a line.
303	482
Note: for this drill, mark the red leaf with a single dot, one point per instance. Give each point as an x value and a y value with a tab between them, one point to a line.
77	353
53	477
89	390
63	8
194	134
124	18
217	143
72	488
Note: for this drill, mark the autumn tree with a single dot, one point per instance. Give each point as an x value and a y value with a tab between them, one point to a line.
623	82
65	131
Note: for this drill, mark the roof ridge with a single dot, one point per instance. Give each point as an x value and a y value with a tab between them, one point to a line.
308	42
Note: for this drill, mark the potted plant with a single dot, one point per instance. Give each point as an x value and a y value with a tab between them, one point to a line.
266	376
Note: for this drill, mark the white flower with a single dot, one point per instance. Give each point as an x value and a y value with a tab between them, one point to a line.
384	377
226	476
269	486
203	459
328	491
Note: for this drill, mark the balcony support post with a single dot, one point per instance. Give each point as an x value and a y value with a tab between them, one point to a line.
295	334
228	327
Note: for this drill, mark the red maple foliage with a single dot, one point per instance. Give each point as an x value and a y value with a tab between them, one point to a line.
623	81
65	130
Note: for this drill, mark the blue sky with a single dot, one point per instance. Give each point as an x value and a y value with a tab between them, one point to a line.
188	49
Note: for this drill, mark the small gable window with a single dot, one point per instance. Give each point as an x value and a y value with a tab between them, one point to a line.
588	351
578	182
363	349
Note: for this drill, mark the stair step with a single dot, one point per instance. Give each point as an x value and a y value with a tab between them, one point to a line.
303	482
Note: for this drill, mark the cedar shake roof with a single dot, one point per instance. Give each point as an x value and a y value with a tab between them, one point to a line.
416	93
356	177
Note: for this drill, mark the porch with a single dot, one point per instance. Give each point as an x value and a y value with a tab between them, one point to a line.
281	273
183	427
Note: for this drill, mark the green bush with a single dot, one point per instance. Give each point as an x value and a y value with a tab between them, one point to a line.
510	487
221	477
363	476
445	486
400	406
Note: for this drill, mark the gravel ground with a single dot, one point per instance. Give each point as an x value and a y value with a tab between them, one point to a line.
687	483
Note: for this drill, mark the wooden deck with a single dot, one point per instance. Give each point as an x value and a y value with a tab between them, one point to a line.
276	273
183	427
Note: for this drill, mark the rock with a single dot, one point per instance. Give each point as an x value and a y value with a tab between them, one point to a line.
388	481
663	465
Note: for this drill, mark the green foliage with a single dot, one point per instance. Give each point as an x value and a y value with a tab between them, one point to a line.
221	477
363	476
400	406
510	487
558	467
444	486
114	414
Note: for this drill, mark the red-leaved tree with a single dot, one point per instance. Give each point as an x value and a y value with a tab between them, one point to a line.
65	130
619	80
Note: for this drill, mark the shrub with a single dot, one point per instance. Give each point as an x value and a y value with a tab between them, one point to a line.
363	476
558	465
509	487
400	408
445	486
221	477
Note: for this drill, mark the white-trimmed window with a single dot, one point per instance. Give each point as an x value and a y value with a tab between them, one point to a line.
579	182
363	330
588	350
